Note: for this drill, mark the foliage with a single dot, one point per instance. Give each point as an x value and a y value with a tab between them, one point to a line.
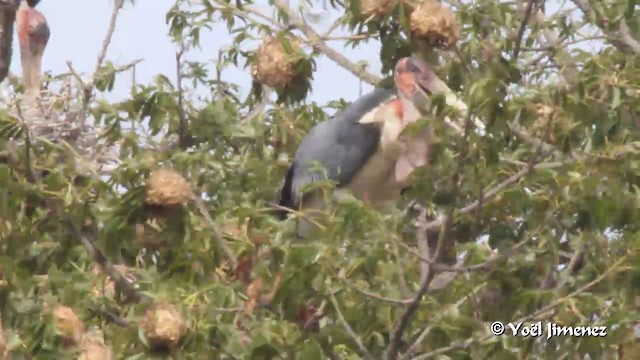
547	195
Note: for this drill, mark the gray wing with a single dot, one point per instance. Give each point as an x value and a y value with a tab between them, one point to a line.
341	146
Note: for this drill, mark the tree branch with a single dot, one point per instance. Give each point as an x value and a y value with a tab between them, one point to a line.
117	6
620	37
363	350
374	296
482	266
183	128
89	88
96	254
495	190
109	316
561	57
217	235
414	347
316	40
423	244
396	335
523	27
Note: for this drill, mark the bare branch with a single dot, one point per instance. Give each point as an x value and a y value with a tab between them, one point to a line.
117	69
183	129
89	89
482	266
495	190
396	335
423	244
110	316
523	27
620	37
117	5
96	254
414	347
571	267
363	350
316	40
376	297
217	235
561	57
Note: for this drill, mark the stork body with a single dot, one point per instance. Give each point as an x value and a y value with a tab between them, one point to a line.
361	148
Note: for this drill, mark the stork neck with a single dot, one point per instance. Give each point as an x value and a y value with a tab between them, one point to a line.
410	111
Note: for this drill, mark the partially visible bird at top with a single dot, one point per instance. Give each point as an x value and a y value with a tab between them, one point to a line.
362	149
33	36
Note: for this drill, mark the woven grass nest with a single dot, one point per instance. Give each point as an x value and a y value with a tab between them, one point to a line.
163	327
67	324
94	348
376	8
435	23
167	188
275	64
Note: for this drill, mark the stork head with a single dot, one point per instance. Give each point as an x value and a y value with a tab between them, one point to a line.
415	80
33	36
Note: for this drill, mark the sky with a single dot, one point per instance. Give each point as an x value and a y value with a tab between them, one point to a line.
78	28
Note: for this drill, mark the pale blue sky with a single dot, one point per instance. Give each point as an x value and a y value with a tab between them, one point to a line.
78	27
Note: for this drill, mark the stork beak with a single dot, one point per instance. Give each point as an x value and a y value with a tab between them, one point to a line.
414	75
416	81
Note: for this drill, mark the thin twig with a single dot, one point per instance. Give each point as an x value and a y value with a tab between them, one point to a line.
117	5
75	74
217	235
96	254
376	297
396	335
413	348
523	27
363	350
117	69
332	27
492	260
575	259
423	244
89	88
183	128
561	56
495	190
110	316
316	40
